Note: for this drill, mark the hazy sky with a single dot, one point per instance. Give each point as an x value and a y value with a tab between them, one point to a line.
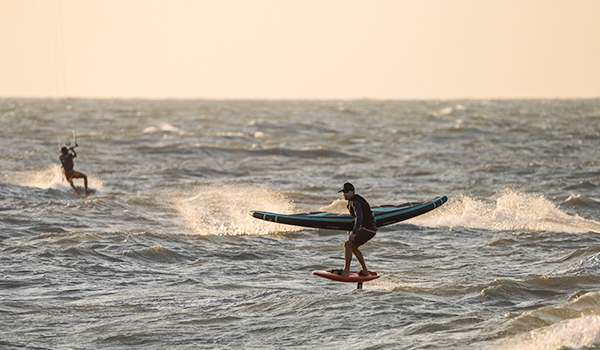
288	49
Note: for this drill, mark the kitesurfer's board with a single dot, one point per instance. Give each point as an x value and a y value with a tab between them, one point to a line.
384	215
81	190
353	277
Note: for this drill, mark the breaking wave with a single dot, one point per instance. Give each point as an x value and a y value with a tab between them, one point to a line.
511	211
574	325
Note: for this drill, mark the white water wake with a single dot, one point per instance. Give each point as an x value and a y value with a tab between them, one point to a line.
51	177
511	211
223	210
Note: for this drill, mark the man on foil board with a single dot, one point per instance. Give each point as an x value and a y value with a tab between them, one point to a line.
361	224
364	229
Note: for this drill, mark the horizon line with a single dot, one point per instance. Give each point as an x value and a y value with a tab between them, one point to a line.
166	98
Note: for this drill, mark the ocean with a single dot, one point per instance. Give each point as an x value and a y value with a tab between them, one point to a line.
165	256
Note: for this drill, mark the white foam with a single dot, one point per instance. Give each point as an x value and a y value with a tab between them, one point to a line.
52	177
223	210
230	134
447	110
575	333
511	211
166	127
337	206
150	129
169	127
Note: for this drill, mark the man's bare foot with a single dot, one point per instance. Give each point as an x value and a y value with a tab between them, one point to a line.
363	273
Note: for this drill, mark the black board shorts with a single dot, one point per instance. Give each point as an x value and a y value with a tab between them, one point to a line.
363	236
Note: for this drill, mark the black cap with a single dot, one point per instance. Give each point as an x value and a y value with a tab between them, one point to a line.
347	188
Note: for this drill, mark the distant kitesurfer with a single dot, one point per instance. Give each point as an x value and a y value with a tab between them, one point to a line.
66	159
364	229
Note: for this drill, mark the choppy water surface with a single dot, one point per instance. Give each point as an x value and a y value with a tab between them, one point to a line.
166	256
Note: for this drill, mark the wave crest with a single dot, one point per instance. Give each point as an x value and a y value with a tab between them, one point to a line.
510	212
574	325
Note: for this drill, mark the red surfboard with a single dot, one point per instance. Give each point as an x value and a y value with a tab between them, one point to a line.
353	277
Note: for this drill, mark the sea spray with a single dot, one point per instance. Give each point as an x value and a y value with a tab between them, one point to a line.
337	206
511	211
223	210
51	177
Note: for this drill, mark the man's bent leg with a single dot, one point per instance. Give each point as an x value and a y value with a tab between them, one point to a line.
78	175
362	237
360	259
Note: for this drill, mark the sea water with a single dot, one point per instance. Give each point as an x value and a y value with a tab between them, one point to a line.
165	255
